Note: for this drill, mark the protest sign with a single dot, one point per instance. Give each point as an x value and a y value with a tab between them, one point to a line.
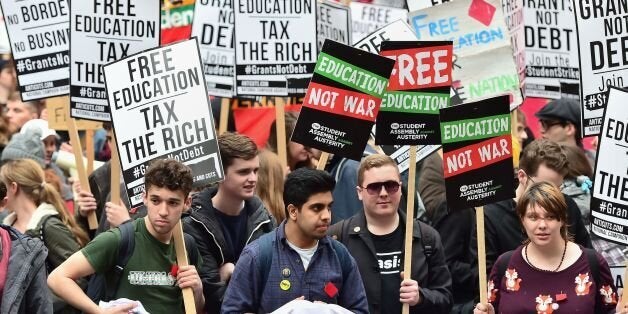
213	28
39	39
418	87
397	30
342	100
609	201
513	15
367	18
58	118
4	37
483	63
101	33
550	40
414	5
333	22
176	20
274	40
477	152
159	109
617	273
603	49
401	154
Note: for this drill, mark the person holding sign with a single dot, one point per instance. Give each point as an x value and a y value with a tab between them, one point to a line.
375	237
548	272
297	260
151	276
223	220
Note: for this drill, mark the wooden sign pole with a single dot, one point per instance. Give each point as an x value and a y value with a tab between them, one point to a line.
224	115
89	150
280	126
115	171
182	260
322	162
80	168
479	217
407	257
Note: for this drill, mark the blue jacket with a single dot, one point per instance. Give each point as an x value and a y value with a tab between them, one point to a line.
244	294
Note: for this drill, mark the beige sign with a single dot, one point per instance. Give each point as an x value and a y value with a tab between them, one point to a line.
58	109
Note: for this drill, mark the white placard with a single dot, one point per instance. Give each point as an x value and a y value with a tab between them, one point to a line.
414	5
367	18
101	34
397	31
333	22
39	37
551	54
274	40
4	37
603	48
159	109
213	28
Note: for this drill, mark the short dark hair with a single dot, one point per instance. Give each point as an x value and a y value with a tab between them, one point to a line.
170	174
543	152
302	183
234	145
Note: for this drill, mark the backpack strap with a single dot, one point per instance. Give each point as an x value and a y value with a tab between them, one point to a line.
428	242
343	257
594	266
265	256
125	250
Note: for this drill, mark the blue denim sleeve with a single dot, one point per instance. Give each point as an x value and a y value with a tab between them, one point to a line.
242	294
353	296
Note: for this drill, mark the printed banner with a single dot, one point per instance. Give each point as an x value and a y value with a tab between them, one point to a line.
609	201
418	88
483	62
101	34
274	40
342	100
39	37
477	152
213	28
159	109
550	40
368	18
603	49
333	22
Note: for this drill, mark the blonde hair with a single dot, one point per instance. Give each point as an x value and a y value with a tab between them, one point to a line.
270	180
30	178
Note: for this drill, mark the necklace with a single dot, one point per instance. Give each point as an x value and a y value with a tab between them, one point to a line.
525	252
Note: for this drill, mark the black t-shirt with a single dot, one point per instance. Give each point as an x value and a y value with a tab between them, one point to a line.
389	257
234	230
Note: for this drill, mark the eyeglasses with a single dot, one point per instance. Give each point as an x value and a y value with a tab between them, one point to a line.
376	187
548	124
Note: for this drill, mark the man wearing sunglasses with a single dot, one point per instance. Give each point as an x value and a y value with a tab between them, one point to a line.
375	238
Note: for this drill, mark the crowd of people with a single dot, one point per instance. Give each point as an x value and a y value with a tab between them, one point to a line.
268	238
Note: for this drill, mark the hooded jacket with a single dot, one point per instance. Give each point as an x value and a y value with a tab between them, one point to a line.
201	223
25	290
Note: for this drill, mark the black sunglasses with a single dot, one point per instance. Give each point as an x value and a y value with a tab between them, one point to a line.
376	187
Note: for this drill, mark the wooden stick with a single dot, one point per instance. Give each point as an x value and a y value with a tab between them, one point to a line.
115	171
322	162
479	217
280	126
224	115
89	150
80	167
407	257
182	260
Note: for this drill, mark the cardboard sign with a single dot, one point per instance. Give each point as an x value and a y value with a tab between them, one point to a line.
483	63
58	108
101	34
609	201
418	88
477	152
333	22
550	45
397	30
39	38
342	100
603	48
213	28
273	41
367	18
159	109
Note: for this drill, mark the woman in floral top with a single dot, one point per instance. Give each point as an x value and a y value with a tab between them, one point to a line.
548	273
